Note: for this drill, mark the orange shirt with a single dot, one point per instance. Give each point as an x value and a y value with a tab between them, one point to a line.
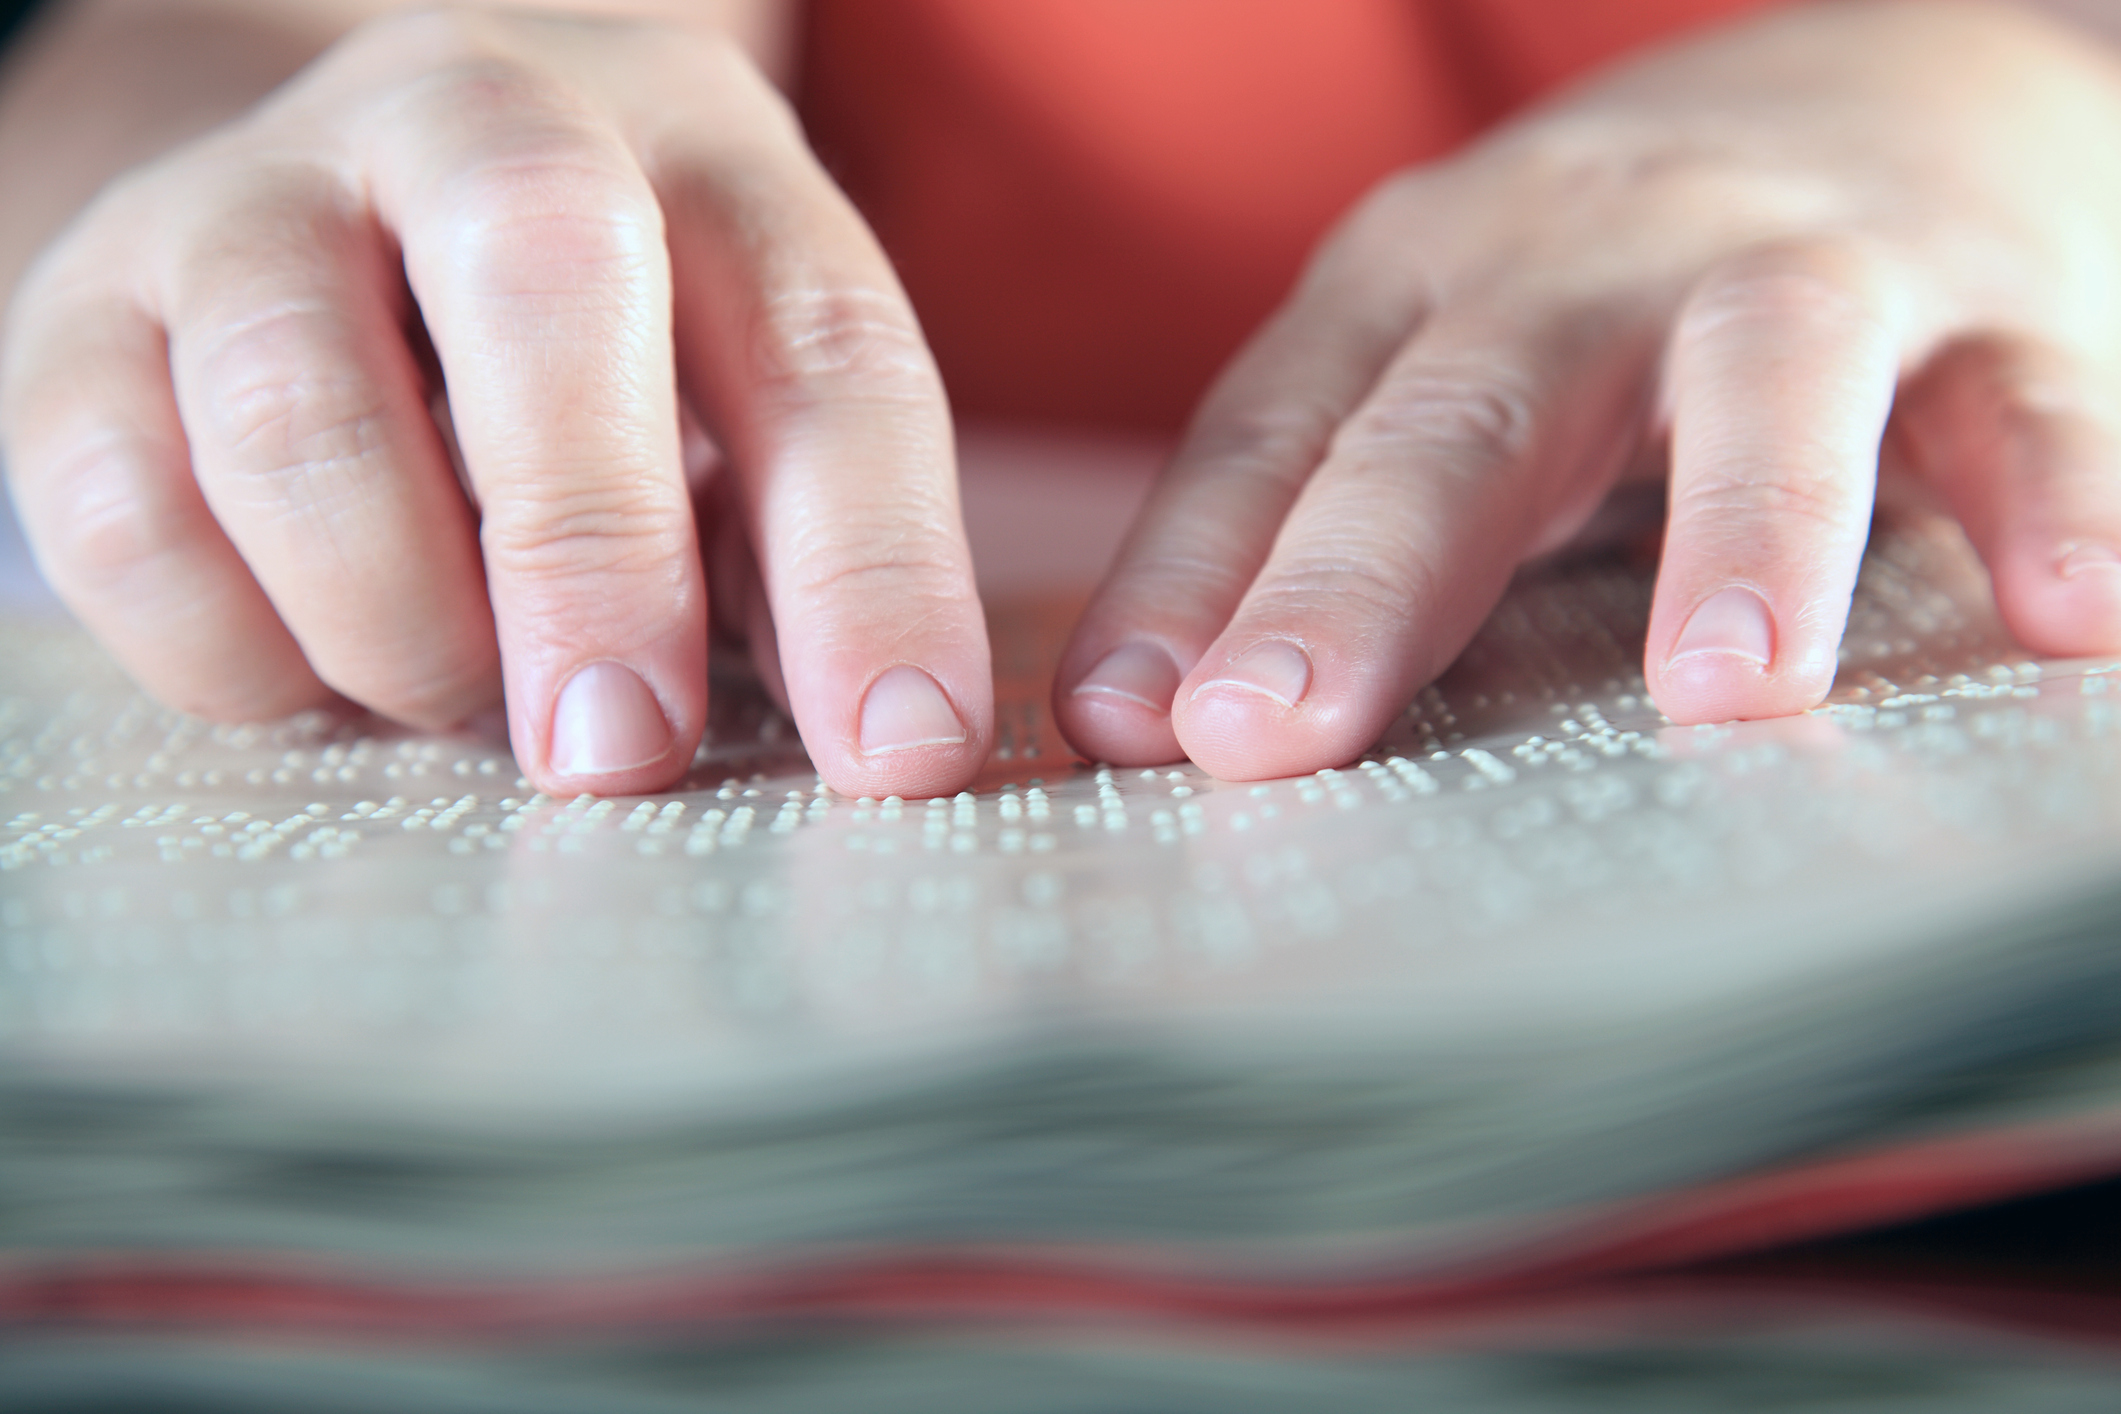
1093	202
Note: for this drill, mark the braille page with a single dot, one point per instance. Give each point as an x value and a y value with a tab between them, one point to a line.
328	988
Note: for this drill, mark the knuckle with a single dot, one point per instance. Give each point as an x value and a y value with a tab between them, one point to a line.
1817	282
563	221
1458	416
1750	498
910	591
535	187
905	552
1180	577
1282	440
1348	584
590	523
843	336
286	409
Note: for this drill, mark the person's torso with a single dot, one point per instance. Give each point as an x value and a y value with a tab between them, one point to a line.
1092	202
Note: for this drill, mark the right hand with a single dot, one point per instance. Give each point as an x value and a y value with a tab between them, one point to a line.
215	404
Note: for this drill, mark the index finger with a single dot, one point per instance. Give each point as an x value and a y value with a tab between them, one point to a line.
534	245
801	349
1781	375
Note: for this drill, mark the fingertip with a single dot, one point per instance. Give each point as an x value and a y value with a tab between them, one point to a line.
1255	715
1730	687
1730	662
1236	736
2019	435
1712	687
2066	604
1120	710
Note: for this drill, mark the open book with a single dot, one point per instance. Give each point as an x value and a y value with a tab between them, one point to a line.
317	1030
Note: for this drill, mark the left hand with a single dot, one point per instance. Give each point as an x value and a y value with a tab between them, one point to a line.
1736	260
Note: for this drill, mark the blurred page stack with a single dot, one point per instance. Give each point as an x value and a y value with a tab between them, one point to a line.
324	1047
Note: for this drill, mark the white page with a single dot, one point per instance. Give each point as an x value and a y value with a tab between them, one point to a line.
1538	950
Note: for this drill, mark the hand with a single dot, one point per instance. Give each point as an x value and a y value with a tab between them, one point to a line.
217	390
1734	260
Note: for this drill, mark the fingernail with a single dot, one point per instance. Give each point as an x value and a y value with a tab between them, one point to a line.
606	720
1734	621
1139	672
2088	559
905	709
1276	669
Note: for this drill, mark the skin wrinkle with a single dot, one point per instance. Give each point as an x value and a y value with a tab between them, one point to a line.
1730	541
1178	574
558	549
817	563
315	424
924	578
316	491
1808	469
1769	507
842	336
1455	418
320	427
1279	444
1382	610
1201	552
1398	555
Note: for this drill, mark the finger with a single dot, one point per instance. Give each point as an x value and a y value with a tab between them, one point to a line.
1208	525
1492	422
535	249
314	446
801	350
1780	376
2019	439
101	476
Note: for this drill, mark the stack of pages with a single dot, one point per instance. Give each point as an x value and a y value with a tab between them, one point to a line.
321	1042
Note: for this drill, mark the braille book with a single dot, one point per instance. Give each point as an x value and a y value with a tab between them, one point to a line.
320	1036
